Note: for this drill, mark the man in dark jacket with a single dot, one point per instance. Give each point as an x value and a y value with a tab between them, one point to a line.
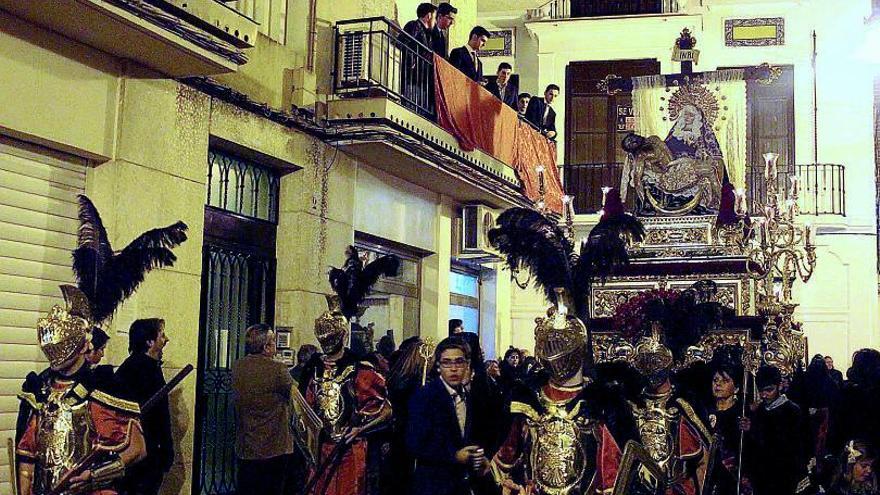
140	377
417	80
541	115
465	58
440	434
422	29
445	19
776	451
502	87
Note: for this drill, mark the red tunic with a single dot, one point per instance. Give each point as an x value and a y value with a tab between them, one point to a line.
112	420
350	478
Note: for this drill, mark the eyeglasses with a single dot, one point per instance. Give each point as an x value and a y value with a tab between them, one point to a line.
453	363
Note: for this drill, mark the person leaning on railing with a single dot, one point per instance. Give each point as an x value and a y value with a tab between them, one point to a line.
540	113
466	59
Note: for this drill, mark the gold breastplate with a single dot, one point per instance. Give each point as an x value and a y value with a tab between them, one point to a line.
64	436
331	402
655	422
558	456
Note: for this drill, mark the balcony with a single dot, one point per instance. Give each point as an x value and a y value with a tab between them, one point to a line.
822	186
575	9
175	38
385	112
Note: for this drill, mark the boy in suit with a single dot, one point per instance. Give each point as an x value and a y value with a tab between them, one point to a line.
541	115
439	434
503	87
465	58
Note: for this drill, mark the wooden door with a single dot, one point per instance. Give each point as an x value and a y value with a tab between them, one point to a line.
595	123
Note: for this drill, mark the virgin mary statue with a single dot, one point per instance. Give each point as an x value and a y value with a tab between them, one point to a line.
677	176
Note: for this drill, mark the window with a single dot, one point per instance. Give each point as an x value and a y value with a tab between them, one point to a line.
464	297
394	303
241	186
270	14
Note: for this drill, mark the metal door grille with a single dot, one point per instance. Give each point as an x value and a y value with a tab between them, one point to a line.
237	291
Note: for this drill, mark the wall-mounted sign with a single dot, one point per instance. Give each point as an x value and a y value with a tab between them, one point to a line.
762	31
626	121
500	44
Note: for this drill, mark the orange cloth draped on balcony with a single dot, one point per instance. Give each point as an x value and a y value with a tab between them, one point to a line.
478	120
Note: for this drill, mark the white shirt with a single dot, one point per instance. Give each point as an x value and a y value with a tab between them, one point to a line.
460	405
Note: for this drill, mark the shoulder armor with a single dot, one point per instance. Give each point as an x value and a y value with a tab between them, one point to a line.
112	402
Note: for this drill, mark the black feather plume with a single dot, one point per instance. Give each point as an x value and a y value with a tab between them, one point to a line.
352	282
108	278
530	240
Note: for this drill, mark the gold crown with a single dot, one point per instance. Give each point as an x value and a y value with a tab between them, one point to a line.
64	331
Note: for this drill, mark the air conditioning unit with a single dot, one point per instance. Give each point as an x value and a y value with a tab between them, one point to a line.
476	221
367	60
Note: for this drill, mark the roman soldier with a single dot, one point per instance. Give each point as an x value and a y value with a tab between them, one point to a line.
77	437
74	435
348	395
552	445
668	425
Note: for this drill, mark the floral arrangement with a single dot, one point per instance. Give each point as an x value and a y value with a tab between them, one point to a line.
630	318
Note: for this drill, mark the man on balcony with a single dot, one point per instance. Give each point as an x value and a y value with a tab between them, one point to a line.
502	87
445	19
522	103
422	29
465	58
417	75
541	115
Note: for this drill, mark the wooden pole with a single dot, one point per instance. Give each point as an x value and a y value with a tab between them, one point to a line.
13	466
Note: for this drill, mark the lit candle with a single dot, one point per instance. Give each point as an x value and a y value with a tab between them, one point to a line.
777	290
808	234
793	192
567	207
770	165
540	170
741	206
791	205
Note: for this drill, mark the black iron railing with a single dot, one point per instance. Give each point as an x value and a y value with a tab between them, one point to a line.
374	57
585	181
822	186
571	9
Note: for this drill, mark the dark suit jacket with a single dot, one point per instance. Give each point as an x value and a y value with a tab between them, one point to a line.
461	59
433	437
141	376
440	43
417	30
535	115
511	93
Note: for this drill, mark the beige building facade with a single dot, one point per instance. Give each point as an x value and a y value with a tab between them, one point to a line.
202	125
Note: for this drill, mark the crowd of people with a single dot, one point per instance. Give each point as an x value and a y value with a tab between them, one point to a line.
430	31
451	422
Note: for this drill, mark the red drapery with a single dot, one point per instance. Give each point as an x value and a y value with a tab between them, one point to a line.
478	120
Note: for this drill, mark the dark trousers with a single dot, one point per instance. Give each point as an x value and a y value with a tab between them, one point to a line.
263	476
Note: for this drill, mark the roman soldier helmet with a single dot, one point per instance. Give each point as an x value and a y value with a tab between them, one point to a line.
651	355
352	284
104	279
530	240
561	341
65	330
331	328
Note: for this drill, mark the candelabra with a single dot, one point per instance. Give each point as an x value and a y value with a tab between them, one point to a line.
778	252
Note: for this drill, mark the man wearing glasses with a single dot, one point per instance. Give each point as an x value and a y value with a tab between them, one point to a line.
440	433
445	19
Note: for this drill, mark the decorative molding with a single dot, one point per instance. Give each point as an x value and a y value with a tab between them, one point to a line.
759	31
506	50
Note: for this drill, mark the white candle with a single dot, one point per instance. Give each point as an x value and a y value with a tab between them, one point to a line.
540	170
795	189
808	234
566	206
741	206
